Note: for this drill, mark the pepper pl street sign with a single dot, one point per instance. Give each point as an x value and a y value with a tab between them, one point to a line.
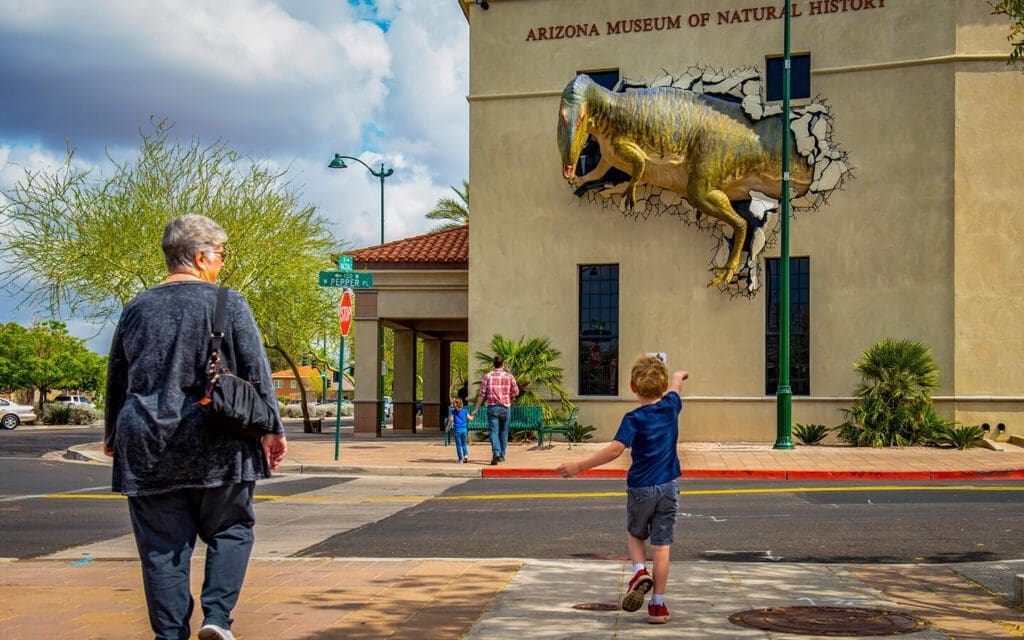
350	279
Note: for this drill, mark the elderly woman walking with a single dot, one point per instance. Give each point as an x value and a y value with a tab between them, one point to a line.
184	477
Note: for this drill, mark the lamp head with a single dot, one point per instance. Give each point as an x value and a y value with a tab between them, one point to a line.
337	163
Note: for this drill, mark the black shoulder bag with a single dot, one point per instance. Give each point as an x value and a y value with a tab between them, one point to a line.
231	403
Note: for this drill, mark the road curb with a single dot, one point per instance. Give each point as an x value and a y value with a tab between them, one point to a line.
771	474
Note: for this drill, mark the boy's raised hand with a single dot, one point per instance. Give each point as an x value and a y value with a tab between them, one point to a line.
677	380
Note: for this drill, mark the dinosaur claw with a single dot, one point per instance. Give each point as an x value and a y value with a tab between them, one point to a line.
724	277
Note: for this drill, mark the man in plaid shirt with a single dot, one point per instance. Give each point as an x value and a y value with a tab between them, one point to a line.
498	388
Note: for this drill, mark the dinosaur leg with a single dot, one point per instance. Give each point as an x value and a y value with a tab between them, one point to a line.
715	203
634	156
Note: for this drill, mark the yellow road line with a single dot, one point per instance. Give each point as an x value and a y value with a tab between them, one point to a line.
572	495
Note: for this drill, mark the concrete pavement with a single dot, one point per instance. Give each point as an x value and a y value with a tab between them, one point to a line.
95	592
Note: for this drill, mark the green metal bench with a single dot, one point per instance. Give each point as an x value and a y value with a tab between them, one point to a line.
564	427
520	418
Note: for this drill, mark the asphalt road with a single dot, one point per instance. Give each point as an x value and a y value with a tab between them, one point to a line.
756	522
48	505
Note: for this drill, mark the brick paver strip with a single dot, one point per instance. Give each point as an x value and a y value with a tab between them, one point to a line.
951	603
296	599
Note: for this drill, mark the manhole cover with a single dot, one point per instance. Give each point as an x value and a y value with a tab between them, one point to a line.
597	606
829	621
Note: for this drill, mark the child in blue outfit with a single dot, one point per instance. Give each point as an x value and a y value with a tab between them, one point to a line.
651	432
459	426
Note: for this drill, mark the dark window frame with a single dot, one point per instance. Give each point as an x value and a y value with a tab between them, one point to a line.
598	329
799	325
799	76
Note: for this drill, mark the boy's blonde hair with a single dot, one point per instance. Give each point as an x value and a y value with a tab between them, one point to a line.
457	403
649	376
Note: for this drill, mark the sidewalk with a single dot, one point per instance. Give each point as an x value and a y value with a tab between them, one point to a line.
504	599
426	455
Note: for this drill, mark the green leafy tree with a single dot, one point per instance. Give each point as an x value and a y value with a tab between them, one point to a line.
455	212
532	362
459	363
102	236
893	405
1014	10
45	357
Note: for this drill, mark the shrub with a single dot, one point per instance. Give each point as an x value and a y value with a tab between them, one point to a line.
811	433
893	406
580	433
948	435
69	414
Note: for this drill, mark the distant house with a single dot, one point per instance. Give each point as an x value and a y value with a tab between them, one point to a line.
286	387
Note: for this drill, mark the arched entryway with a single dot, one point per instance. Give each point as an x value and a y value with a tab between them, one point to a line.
420	291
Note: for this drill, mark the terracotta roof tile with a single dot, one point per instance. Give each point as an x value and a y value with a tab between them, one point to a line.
450	246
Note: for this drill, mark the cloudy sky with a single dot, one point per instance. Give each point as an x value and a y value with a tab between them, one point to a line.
290	82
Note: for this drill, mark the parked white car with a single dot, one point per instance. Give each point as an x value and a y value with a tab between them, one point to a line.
78	401
11	414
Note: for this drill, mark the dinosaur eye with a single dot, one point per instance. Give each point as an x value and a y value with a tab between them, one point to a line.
561	114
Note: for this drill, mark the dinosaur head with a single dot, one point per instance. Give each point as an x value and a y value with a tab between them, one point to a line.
572	130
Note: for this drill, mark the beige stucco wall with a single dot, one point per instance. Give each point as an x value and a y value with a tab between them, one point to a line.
888	254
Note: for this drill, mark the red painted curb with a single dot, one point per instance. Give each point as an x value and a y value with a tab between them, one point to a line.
768	474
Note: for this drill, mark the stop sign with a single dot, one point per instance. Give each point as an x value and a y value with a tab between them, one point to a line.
345	312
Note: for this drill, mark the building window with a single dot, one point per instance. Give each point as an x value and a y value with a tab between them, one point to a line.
599	330
591	153
278	384
799	77
294	386
799	327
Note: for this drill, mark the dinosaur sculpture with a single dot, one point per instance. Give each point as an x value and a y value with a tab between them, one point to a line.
705	149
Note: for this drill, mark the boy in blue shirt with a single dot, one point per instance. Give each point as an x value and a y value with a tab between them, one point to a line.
651	432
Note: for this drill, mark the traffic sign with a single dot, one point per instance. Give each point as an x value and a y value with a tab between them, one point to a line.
344	263
346	279
345	312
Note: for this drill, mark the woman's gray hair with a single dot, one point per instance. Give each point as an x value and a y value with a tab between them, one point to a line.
187	235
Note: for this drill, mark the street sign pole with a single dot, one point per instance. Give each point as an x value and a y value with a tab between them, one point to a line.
341	387
345	317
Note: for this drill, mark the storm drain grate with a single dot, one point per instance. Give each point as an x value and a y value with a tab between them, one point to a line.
597	606
829	621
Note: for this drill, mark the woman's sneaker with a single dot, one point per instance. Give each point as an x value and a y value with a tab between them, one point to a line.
657	614
213	632
641	583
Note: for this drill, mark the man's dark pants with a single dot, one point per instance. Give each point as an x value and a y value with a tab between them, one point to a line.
497	426
166	526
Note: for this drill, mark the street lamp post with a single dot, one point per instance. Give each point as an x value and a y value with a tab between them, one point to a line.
784	395
339	163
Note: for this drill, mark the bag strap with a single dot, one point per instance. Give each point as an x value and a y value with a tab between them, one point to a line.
217	335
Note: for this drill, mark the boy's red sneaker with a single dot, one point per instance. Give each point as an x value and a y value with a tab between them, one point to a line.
657	614
641	583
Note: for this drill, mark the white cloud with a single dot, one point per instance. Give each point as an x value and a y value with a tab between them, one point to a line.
291	83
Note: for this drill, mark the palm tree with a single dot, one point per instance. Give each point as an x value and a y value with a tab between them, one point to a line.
894	405
455	212
532	363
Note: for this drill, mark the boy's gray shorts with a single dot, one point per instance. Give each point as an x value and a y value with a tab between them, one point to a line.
651	512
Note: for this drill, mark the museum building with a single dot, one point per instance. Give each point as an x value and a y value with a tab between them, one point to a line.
906	223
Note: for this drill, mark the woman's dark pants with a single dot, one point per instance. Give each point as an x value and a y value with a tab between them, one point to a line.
166	526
